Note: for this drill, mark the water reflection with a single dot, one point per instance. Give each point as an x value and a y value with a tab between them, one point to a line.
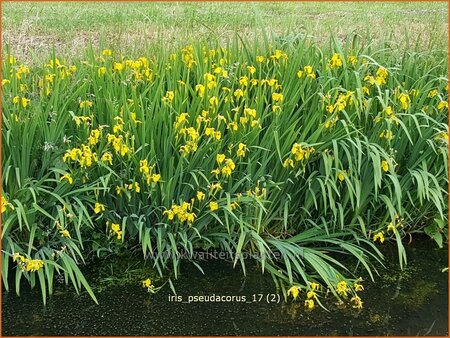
409	302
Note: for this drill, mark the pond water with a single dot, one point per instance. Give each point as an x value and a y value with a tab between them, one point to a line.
409	302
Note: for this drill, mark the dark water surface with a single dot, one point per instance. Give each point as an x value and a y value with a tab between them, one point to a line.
410	302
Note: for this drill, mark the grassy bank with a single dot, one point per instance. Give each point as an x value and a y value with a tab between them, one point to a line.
31	28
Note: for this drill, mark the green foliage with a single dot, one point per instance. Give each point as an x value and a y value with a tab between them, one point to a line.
317	155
